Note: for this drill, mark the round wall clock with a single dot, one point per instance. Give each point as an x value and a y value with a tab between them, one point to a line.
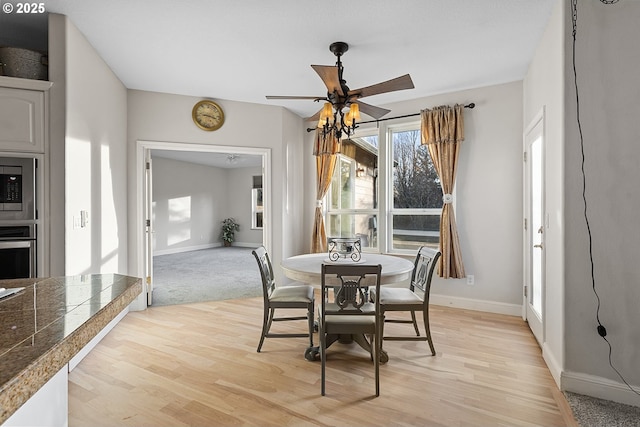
208	115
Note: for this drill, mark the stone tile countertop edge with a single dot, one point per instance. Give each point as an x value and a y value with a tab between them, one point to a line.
16	391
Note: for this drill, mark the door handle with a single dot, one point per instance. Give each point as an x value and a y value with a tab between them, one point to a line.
538	246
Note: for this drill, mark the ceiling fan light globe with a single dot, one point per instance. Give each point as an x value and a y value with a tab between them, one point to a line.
354	112
327	112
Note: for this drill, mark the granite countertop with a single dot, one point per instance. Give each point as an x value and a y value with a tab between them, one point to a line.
50	321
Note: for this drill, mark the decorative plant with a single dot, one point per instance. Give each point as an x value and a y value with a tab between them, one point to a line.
229	228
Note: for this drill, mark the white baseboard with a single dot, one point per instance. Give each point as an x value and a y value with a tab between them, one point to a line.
170	251
246	244
552	363
200	247
478	305
602	388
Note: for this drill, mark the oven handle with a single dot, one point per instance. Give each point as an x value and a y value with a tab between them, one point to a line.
16	244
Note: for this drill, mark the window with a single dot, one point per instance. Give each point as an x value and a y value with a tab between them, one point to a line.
386	191
353	196
257	207
416	199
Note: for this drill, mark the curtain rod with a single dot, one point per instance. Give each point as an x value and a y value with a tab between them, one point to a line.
471	105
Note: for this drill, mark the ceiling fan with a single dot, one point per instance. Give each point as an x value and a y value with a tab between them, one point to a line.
339	96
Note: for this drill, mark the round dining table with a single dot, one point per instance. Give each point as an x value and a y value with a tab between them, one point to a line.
307	268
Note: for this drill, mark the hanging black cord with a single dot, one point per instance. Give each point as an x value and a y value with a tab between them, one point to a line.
602	331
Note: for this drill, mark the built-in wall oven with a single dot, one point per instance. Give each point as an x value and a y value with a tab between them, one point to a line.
18	217
17	251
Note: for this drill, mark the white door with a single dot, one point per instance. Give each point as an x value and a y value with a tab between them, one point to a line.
535	227
148	215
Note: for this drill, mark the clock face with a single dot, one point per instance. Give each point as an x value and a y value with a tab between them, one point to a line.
208	115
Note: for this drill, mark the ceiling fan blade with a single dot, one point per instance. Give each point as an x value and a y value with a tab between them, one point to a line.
294	97
372	110
399	83
329	75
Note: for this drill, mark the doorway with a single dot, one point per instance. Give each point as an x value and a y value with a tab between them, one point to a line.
181	153
535	226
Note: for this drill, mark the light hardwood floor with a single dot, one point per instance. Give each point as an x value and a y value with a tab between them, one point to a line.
197	364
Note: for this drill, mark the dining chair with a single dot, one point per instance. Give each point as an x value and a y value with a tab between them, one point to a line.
349	311
294	296
407	299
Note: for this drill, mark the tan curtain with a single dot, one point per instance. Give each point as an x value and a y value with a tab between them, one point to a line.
325	149
443	132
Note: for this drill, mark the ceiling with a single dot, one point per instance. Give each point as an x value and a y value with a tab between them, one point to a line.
218	160
243	50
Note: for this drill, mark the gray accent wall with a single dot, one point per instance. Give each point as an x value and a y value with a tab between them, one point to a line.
607	61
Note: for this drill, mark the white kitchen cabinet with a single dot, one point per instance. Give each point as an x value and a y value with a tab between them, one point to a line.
23	115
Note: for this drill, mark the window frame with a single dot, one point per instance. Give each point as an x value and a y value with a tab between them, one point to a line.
392	210
385	210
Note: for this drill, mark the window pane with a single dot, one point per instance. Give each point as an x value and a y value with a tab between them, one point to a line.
342	184
415	181
364	226
413	231
354	184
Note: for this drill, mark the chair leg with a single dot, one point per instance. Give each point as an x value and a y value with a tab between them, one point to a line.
415	324
425	315
311	323
377	346
381	330
323	358
266	325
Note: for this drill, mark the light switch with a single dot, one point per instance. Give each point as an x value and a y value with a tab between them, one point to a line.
84	218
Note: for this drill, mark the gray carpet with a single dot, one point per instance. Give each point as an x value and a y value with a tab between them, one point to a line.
591	412
205	275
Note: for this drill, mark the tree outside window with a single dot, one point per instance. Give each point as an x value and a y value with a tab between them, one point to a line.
417	193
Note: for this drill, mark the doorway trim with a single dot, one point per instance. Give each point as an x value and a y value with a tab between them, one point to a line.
143	146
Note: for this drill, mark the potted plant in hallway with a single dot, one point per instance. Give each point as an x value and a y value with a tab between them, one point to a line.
229	228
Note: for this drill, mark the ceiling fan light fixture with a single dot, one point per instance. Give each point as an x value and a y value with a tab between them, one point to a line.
352	115
326	113
332	119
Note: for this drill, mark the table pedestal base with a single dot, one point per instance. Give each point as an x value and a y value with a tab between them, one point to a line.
313	353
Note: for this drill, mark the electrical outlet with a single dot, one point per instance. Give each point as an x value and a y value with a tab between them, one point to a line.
470	279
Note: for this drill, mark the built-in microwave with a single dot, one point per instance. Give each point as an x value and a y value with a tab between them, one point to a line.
17	188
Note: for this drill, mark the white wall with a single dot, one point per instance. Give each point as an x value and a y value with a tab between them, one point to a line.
543	88
607	58
489	197
189	202
95	157
295	144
